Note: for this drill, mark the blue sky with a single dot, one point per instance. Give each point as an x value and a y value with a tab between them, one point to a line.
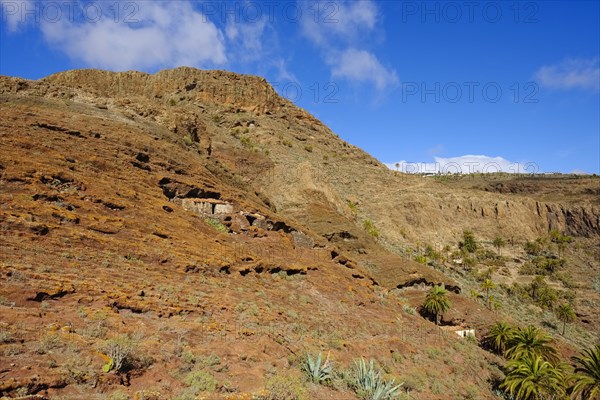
429	85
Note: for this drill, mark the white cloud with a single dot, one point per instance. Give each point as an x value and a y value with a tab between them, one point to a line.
246	39
338	29
324	22
282	71
16	13
571	74
579	172
168	34
255	42
464	165
362	66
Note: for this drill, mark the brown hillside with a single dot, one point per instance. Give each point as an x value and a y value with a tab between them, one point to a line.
226	231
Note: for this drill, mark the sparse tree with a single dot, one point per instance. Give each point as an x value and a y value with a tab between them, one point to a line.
486	286
532	248
555	235
494	303
587	375
561	246
437	302
565	314
547	297
468	243
447	251
538	283
498	243
469	263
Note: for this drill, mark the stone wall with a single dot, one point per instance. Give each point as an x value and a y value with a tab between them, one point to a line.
207	207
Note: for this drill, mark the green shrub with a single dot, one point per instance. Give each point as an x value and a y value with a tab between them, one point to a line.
421	259
118	395
5	337
246	142
541	265
371	229
408	309
248	308
120	352
596	284
532	248
432	254
186	394
5	302
557	237
218	225
207	361
187	140
285	387
201	381
353	207
528	268
47	342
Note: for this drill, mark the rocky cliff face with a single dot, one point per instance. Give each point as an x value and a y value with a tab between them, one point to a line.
304	166
217	88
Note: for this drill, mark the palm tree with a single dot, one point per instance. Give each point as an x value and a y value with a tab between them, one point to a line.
498	243
500	336
587	375
468	243
486	286
533	378
547	297
531	342
537	283
437	302
565	313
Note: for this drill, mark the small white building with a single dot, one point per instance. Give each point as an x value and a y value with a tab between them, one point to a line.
466	333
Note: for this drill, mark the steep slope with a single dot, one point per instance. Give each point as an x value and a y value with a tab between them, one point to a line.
302	170
201	214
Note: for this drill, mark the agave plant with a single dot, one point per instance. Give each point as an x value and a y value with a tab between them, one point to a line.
370	385
318	371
